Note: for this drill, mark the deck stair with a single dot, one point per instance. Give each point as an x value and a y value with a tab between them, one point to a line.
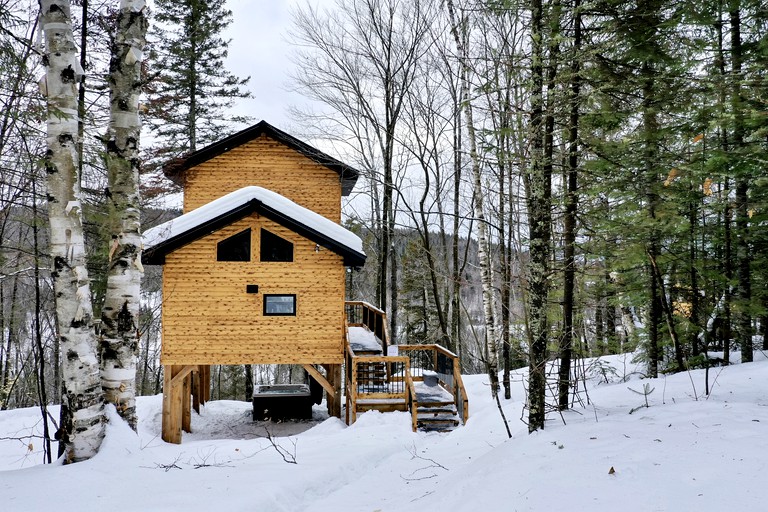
422	379
435	407
373	380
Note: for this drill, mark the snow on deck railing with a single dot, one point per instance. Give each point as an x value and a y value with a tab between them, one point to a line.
438	359
360	313
397	372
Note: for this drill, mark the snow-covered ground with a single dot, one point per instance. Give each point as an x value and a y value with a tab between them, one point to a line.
686	451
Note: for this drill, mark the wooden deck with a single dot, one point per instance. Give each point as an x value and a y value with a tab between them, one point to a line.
422	379
363	342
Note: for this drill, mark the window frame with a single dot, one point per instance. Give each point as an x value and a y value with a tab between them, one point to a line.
267	296
244	234
262	247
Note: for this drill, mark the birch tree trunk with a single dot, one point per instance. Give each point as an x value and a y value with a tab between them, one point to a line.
82	410
483	251
119	316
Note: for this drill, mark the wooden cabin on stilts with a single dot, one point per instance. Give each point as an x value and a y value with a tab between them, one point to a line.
254	273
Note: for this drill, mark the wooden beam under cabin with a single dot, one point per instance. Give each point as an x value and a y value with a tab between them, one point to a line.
334	378
196	391
205	383
319	377
178	377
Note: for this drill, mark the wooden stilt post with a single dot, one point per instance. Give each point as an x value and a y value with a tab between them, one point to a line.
332	389
196	391
205	383
171	429
334	405
329	397
166	416
347	409
186	404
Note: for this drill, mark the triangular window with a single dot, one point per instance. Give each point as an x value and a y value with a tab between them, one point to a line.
274	248
235	248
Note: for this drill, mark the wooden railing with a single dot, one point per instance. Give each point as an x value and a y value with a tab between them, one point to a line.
391	378
413	404
361	313
378	381
445	363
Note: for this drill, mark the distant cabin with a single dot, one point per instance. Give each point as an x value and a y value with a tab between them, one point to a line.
254	270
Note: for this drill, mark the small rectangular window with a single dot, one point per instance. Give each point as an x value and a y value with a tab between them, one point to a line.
279	305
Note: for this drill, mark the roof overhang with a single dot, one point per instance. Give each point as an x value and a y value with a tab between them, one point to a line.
175	169
166	238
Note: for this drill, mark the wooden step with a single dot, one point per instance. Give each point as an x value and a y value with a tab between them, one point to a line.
446	424
442	418
436	405
445	409
437	418
382	405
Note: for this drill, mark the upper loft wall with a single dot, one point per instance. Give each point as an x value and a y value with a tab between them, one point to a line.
267	163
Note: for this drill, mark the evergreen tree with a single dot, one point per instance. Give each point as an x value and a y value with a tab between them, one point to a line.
190	88
638	134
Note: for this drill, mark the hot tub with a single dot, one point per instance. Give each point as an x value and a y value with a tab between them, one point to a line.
279	402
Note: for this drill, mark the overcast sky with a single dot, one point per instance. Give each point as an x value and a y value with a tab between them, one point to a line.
259	49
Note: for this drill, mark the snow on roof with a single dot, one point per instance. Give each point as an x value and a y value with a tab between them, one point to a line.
180	225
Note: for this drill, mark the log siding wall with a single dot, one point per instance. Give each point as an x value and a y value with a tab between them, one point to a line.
208	318
270	164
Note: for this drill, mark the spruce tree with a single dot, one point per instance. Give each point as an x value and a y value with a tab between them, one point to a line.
638	135
190	89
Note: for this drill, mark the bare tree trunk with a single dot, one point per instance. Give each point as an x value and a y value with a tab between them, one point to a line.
456	267
724	334
538	195
743	257
571	204
697	329
39	350
248	369
483	252
81	106
650	136
613	344
120	314
82	410
599	347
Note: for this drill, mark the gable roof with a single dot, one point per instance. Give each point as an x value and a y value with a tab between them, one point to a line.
175	233
175	169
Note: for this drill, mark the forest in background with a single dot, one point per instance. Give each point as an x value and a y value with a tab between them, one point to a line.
541	180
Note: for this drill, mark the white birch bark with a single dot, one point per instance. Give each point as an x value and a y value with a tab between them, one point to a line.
483	251
120	314
82	417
